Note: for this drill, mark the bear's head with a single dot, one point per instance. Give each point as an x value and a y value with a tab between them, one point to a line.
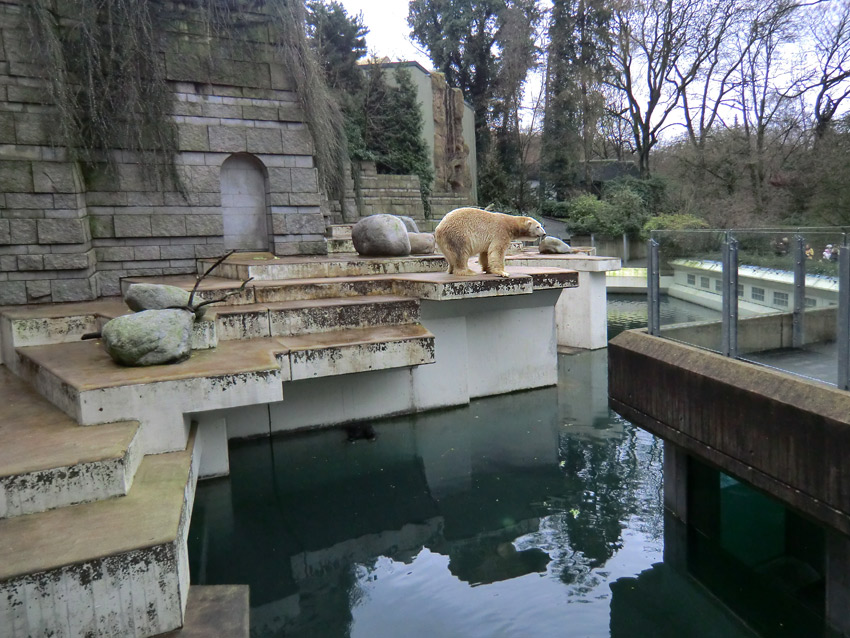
531	229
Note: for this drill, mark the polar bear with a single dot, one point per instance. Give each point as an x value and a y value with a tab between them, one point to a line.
465	232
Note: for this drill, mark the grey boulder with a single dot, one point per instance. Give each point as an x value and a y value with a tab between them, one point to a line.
150	337
380	236
409	223
553	245
421	243
155	297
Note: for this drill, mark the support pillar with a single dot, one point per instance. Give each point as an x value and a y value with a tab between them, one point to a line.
675	507
838	581
581	314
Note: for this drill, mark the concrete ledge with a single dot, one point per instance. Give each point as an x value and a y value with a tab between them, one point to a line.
86	384
757	334
47	461
582	263
783	434
358	350
121	565
267	267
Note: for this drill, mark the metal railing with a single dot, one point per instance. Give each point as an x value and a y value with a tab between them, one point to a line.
782	258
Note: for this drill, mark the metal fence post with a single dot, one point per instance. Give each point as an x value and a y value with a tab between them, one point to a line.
653	290
842	338
797	327
729	345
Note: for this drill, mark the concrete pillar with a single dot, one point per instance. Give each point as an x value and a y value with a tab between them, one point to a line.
676	481
838	581
212	439
581	313
675	471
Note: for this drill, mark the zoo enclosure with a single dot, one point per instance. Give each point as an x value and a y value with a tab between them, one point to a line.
784	295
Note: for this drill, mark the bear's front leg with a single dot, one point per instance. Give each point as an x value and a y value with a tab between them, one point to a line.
496	259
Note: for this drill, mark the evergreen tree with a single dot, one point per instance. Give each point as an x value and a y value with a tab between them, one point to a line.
393	127
339	40
461	38
576	64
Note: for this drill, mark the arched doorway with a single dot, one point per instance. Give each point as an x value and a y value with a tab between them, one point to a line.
243	204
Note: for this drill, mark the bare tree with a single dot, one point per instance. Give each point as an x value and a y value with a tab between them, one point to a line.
653	60
765	85
711	69
830	32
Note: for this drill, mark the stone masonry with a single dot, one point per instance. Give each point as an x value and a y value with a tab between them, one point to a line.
66	238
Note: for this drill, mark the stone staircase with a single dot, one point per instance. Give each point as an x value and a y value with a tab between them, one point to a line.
94	520
339	240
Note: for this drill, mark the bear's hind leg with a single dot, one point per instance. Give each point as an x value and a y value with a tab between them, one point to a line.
459	265
485	263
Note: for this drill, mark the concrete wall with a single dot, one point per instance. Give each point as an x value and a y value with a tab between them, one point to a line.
782	434
65	238
390	194
758	334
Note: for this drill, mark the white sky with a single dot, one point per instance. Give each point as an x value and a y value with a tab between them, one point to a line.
389	35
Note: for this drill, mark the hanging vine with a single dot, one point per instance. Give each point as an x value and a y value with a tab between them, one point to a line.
104	66
107	80
325	118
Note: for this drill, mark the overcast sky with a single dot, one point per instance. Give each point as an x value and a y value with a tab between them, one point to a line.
389	35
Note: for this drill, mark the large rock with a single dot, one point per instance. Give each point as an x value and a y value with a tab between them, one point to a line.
421	243
155	297
149	338
380	236
409	223
553	246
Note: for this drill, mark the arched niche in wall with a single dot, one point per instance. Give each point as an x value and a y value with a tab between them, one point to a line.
244	208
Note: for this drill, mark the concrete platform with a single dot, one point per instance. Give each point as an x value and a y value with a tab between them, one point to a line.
431	285
48	461
290	318
265	266
117	567
290	353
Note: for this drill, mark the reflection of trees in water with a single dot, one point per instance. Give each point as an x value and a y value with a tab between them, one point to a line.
626	311
614	484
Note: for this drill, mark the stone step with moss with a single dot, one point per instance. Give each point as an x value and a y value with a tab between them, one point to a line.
117	567
265	266
47	461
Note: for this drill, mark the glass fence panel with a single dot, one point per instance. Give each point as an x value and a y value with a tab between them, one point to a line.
788	313
690	301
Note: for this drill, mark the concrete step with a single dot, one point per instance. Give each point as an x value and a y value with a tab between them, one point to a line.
358	350
47	461
215	611
340	231
267	267
23	326
291	318
283	290
438	286
117	567
340	246
82	380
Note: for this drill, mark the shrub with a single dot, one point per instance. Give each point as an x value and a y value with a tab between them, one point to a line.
673	221
560	210
587	214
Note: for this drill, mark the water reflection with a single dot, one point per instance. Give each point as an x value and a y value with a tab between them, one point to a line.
516	516
630	311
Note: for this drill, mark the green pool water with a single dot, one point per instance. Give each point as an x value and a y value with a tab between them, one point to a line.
531	514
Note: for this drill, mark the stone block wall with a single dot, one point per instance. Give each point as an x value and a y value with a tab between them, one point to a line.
390	194
65	238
